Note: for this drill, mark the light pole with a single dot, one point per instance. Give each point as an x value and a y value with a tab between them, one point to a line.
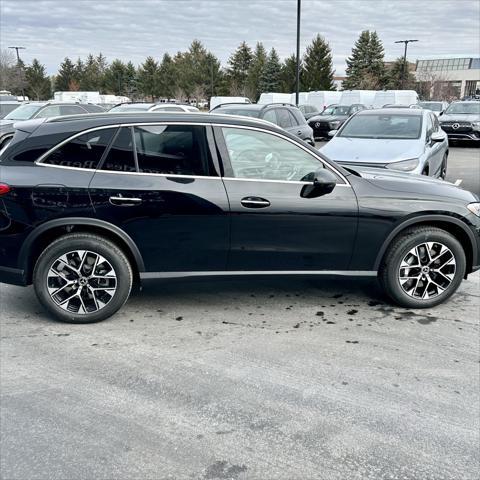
16	48
297	81
404	70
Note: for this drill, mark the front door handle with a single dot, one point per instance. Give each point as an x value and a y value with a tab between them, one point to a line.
299	132
254	202
125	201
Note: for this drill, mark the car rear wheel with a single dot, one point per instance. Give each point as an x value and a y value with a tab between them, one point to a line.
82	278
423	267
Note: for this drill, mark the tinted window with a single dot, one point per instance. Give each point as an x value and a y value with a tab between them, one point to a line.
246	112
270	116
284	118
84	151
120	156
50	111
339	110
71	110
169	109
24	112
173	149
383	126
260	155
461	108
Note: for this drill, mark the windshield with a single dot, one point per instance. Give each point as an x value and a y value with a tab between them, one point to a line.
383	126
24	112
131	108
434	106
338	110
246	112
464	108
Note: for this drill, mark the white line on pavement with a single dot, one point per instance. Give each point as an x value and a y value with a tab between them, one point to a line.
458	182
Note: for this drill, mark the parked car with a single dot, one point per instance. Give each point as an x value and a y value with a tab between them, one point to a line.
438	108
284	115
29	110
152	107
216	101
461	121
332	118
88	205
309	111
406	140
7	106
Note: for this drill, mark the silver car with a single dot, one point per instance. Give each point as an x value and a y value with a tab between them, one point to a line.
405	140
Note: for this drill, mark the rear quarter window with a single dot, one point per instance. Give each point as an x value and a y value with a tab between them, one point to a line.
84	151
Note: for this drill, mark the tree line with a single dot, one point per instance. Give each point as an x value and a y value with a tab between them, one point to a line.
197	73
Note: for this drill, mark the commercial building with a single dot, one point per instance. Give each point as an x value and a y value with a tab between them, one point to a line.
448	77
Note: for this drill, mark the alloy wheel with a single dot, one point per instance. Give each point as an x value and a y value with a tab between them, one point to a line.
81	282
427	270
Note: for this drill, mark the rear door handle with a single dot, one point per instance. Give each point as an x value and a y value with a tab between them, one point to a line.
254	202
125	201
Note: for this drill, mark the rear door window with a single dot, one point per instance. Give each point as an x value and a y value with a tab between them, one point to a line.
84	151
284	118
271	116
173	149
50	111
71	110
120	157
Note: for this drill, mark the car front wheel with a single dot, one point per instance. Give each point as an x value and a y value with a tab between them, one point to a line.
82	278
423	267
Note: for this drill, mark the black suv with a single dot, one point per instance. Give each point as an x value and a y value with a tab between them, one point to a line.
90	204
286	116
461	121
332	118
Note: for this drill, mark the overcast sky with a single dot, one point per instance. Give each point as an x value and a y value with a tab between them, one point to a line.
134	29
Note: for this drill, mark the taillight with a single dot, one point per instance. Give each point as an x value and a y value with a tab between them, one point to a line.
4	189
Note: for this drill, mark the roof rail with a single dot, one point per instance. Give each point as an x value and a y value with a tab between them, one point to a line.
285	104
231	103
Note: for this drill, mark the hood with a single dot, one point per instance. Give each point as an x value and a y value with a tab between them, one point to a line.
457	117
370	150
415	184
326	118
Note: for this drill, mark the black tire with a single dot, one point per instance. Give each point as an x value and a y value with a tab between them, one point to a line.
92	243
400	247
443	168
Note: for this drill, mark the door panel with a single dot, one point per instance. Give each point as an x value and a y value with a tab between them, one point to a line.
272	226
179	221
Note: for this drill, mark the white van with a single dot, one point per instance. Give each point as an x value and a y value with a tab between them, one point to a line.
215	101
395	97
272	97
365	97
323	98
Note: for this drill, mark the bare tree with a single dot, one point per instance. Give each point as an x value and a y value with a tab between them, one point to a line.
435	85
12	74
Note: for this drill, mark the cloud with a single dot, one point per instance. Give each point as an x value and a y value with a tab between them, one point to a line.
132	30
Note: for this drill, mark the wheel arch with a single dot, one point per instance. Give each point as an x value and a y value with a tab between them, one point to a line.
456	227
45	233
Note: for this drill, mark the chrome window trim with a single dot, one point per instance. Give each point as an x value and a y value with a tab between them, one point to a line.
42	157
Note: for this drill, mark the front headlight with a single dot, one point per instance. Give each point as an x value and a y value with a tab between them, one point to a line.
474	208
404	165
334	125
476	125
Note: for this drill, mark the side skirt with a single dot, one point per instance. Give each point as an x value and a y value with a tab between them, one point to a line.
346	273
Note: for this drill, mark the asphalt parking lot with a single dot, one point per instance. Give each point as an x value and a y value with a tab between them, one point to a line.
260	378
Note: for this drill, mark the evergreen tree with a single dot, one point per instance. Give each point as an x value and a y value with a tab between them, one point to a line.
288	76
167	77
115	78
317	66
79	71
38	84
130	80
238	66
366	66
270	78
396	80
66	75
214	75
255	70
91	79
148	78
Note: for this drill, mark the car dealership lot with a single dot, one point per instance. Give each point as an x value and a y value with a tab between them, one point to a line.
259	378
463	166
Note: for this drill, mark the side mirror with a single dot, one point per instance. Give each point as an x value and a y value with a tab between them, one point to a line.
324	182
438	136
332	133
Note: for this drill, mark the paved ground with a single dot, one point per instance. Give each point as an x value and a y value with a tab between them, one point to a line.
463	165
243	379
